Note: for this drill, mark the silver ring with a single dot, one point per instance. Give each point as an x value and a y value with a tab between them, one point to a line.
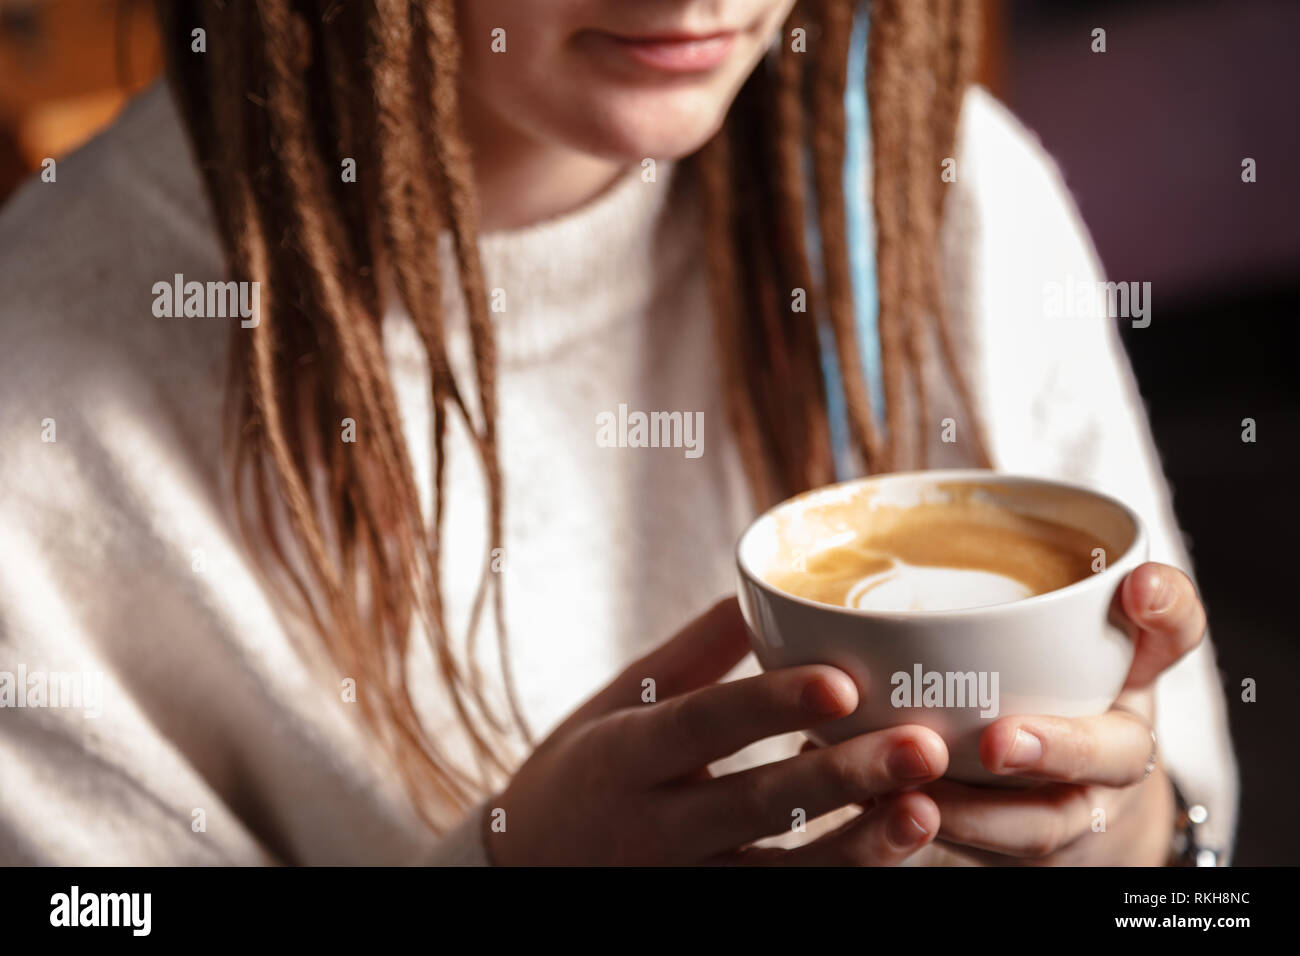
1151	758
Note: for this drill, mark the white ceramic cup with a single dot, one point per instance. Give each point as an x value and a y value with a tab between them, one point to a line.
1065	652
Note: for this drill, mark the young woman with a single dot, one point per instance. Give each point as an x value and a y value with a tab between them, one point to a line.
347	627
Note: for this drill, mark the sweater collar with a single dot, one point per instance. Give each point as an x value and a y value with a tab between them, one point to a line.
553	283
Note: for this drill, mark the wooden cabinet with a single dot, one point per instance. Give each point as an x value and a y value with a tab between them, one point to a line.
66	68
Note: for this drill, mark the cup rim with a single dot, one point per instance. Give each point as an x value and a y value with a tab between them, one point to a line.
975	475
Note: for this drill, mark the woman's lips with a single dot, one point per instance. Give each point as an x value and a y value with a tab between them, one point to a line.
672	54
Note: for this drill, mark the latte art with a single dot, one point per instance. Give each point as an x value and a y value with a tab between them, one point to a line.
934	556
930	591
907	587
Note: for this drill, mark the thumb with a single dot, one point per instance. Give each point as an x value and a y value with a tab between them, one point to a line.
1162	602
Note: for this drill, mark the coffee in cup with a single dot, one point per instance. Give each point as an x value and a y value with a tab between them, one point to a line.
960	551
951	598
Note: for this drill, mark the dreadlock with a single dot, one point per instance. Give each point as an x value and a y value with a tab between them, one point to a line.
292	88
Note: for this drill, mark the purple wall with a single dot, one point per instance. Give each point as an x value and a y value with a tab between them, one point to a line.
1151	134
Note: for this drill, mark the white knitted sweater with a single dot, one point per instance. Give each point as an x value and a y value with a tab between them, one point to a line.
119	560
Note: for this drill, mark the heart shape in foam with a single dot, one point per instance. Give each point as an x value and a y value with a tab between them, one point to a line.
911	587
925	640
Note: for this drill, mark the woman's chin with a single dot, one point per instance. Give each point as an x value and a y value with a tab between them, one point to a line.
666	136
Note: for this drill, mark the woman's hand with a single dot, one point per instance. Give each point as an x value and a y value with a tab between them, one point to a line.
1095	766
626	782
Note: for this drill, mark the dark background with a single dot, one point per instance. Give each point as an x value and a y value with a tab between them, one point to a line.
1150	136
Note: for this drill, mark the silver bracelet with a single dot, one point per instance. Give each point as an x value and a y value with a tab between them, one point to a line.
1187	848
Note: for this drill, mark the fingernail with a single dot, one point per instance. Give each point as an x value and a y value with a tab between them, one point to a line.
904	830
1162	597
1026	751
907	763
821	698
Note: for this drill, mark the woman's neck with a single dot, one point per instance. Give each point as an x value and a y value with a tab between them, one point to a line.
521	181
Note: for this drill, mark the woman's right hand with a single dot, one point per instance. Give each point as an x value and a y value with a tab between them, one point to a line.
626	782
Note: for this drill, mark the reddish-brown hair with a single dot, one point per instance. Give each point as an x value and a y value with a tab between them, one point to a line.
288	88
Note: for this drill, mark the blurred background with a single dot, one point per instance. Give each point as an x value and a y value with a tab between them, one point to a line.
1151	136
66	68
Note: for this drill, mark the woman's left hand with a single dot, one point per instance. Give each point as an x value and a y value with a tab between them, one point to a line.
1099	807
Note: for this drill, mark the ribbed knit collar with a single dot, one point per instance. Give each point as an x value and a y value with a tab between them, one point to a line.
560	280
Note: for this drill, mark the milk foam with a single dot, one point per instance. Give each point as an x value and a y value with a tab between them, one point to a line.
958	551
909	587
